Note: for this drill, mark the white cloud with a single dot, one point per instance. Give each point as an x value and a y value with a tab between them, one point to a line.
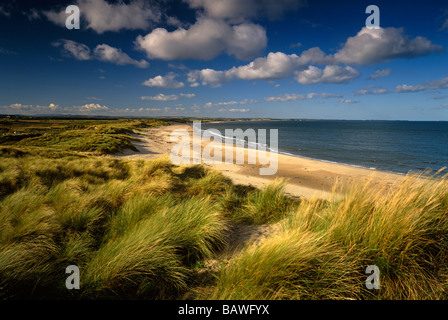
102	52
278	65
331	74
229	103
380	73
239	10
370	90
204	40
208	77
286	97
74	49
92	107
294	97
429	85
102	16
106	53
347	101
171	97
406	88
380	45
275	66
168	81
233	110
161	97
368	46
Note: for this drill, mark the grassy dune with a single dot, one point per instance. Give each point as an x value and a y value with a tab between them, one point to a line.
143	229
324	248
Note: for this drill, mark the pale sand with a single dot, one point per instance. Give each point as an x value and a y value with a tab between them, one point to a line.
305	177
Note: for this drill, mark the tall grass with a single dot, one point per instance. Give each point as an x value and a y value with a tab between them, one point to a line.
266	205
325	247
110	219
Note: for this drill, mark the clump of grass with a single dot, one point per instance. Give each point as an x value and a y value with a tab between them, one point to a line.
292	265
212	183
267	205
136	263
152	246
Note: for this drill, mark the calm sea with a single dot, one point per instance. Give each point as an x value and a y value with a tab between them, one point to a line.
395	146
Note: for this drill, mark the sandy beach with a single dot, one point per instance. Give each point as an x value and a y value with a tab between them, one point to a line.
304	177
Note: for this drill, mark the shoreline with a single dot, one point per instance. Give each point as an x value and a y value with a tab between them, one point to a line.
304	177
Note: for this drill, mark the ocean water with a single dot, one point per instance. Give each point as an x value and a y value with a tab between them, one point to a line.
393	146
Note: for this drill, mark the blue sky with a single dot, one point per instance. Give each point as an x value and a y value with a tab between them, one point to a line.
225	58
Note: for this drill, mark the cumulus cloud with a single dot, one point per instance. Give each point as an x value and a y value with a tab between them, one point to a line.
93	107
240	10
294	97
330	74
367	47
233	110
34	108
229	103
52	108
102	52
168	81
379	45
380	73
110	54
278	65
204	40
407	88
429	85
102	16
171	97
74	49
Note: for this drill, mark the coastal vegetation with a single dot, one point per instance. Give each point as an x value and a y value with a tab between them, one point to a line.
145	229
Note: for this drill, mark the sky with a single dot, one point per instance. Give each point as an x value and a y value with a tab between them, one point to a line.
307	59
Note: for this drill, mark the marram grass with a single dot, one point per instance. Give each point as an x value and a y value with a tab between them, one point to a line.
325	247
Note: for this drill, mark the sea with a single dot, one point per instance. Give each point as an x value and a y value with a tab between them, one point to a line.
391	146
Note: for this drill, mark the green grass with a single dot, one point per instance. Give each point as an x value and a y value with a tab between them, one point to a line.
252	206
